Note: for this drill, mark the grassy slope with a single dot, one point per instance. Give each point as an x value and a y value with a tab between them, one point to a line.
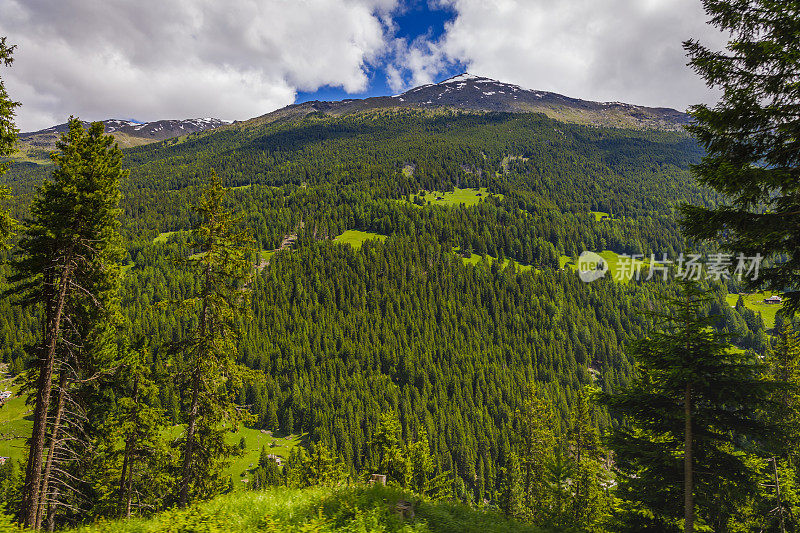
756	303
254	440
161	238
14	427
356	238
466	197
614	267
474	259
355	509
14	424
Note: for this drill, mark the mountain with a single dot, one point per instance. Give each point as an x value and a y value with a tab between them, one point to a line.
37	145
476	93
399	292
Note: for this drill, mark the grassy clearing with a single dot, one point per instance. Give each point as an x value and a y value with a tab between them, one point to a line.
601	215
14	424
616	267
354	509
756	303
254	440
466	197
161	238
474	259
356	238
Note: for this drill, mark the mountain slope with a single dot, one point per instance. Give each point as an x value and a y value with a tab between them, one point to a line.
476	93
37	145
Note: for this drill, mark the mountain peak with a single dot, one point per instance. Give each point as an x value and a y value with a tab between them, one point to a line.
464	76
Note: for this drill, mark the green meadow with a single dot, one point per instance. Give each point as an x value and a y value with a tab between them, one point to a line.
356	238
756	303
601	215
474	259
161	238
15	424
458	196
617	266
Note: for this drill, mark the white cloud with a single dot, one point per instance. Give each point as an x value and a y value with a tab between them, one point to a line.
153	59
626	50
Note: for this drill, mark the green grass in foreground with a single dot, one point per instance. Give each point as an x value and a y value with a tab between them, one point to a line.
615	266
353	509
756	303
356	238
466	197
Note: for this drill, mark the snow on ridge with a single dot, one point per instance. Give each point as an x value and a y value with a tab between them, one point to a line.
462	78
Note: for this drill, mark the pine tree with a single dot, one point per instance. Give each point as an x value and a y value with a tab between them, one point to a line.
69	265
752	137
535	444
8	136
785	369
132	471
209	374
510	490
691	406
590	498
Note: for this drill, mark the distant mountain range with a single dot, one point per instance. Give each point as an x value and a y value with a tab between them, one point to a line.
476	93
37	145
465	92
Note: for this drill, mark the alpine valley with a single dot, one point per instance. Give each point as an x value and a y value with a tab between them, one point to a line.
414	261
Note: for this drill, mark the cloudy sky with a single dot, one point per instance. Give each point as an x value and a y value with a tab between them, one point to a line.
155	59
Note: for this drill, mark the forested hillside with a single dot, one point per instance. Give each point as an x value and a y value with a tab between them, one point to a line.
340	335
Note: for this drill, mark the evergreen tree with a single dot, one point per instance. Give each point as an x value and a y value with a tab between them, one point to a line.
691	406
134	464
69	266
510	490
535	445
8	136
785	369
752	136
209	374
591	500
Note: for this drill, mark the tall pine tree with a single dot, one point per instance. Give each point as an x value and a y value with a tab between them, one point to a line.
692	404
752	136
69	268
209	374
8	136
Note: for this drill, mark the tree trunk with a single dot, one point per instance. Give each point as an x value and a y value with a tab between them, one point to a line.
186	474
51	515
126	463
31	497
688	496
51	450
